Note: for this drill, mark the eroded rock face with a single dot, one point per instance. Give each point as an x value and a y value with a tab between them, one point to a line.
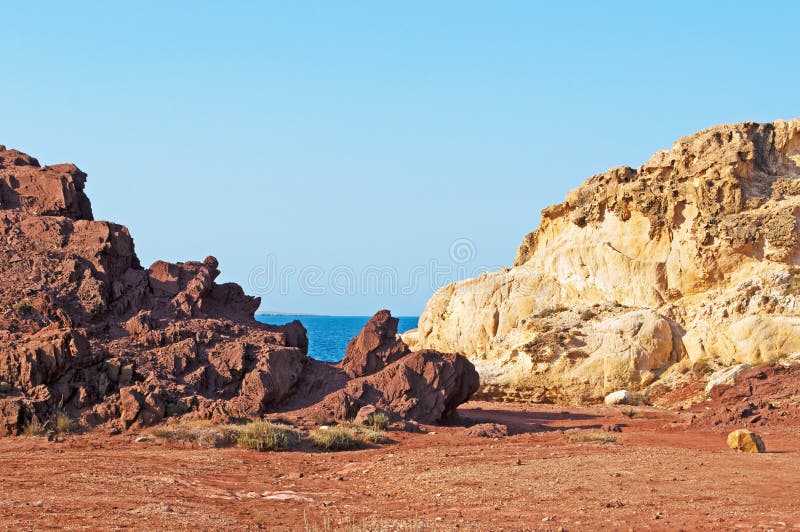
85	328
426	386
375	347
694	254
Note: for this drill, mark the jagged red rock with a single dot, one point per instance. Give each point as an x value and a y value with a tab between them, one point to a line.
375	347
85	328
426	386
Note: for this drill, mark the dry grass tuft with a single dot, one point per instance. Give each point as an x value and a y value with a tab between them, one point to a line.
199	434
582	437
378	422
265	436
35	428
335	439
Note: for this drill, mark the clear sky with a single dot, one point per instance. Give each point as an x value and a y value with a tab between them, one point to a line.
327	153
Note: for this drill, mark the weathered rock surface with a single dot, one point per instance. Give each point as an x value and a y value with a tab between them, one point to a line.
375	347
365	415
426	386
765	395
694	254
487	430
85	328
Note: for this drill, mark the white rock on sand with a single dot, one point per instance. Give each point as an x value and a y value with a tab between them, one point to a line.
620	397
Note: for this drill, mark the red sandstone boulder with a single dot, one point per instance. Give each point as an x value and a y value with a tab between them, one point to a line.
375	347
425	386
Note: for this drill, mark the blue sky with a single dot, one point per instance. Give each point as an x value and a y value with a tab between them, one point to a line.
329	152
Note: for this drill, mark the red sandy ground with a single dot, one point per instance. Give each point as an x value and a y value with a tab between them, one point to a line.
660	474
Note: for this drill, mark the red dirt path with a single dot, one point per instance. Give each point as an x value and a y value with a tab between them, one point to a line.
660	474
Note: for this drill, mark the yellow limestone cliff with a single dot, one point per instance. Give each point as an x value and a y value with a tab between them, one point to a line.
694	257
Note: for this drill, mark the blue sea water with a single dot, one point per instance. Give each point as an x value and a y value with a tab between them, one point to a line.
328	336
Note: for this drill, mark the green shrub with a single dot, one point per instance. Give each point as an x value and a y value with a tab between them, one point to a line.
375	436
63	424
264	436
378	421
335	439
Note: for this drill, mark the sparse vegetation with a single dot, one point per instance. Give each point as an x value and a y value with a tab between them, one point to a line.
59	423
793	287
702	367
198	433
5	387
34	428
63	424
582	437
335	439
587	314
375	436
262	519
549	311
265	436
321	418
629	412
378	421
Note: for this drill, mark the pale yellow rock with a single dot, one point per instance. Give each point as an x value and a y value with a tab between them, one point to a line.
694	254
746	441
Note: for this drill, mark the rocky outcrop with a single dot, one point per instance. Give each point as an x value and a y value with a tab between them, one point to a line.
86	329
694	254
765	395
425	386
375	347
47	191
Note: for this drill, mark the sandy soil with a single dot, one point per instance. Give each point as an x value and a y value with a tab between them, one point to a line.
660	474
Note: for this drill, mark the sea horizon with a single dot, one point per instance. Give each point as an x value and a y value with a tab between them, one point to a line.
277	313
328	335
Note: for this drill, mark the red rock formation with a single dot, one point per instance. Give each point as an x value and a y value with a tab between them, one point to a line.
85	328
426	386
375	347
765	395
